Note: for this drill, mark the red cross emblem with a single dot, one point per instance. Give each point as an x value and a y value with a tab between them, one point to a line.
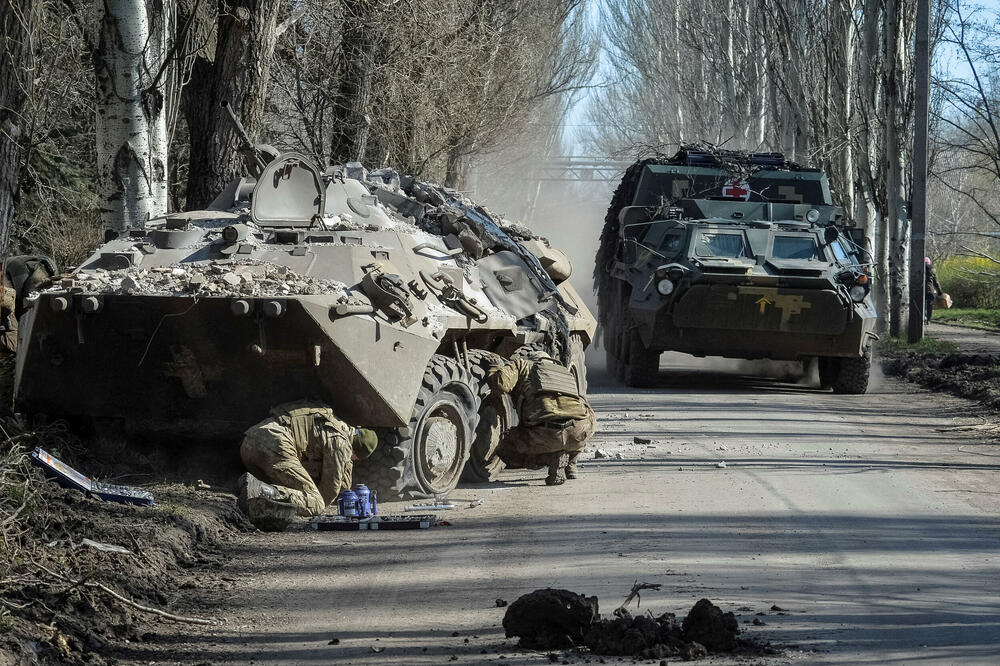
736	189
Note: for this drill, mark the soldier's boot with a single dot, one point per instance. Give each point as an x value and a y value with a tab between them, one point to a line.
557	476
571	471
250	487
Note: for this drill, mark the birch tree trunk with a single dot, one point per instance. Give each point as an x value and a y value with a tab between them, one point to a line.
896	59
17	21
131	170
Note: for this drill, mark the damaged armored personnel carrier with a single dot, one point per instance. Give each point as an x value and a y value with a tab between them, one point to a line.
382	296
721	253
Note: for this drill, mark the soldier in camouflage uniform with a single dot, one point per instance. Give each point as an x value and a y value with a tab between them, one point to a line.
307	453
555	421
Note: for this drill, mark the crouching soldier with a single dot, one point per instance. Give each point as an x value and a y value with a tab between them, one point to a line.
555	421
308	455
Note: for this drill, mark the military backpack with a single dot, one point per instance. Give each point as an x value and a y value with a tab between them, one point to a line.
549	377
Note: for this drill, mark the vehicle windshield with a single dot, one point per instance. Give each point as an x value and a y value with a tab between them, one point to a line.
720	244
795	247
667	241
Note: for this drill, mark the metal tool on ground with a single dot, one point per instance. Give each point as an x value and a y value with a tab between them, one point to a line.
358	503
374	523
68	477
437	506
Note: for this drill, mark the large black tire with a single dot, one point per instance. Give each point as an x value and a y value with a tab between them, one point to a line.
828	368
578	361
643	366
496	416
426	457
611	361
853	373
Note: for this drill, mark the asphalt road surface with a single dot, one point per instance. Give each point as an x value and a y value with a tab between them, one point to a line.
872	520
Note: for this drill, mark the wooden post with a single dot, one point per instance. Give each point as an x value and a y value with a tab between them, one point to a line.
918	303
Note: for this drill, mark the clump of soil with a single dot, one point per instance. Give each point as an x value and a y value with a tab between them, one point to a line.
550	618
558	619
708	625
54	609
967	375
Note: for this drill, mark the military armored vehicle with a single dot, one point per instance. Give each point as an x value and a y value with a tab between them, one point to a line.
385	297
722	253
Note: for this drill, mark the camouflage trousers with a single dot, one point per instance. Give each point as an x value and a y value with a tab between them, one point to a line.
269	453
532	446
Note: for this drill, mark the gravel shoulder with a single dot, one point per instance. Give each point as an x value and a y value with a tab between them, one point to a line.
871	520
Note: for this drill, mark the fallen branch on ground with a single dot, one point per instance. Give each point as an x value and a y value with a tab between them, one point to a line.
126	601
634	594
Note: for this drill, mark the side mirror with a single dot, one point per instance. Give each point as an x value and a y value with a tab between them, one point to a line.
830	234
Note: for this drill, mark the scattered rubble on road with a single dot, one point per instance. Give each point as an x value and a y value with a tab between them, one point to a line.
554	619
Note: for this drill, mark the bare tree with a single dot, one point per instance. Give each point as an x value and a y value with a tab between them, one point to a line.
236	71
423	85
131	123
17	19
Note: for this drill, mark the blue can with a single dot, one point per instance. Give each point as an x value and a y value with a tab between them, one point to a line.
364	500
347	504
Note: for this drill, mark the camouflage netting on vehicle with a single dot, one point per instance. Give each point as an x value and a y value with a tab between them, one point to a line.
608	248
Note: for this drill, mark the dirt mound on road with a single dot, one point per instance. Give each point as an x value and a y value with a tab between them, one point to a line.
558	619
975	376
64	557
550	618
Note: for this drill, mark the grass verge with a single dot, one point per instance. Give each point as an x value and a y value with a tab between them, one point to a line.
971	317
928	345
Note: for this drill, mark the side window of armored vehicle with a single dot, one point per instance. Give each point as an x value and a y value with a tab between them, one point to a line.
720	244
840	252
795	247
667	242
845	254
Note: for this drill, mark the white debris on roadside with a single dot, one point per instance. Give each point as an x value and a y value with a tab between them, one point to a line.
721	464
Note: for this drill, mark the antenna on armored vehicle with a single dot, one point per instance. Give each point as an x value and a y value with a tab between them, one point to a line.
256	156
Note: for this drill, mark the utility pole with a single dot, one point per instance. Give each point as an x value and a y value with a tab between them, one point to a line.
918	304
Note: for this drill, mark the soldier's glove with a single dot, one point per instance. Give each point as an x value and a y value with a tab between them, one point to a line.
493	377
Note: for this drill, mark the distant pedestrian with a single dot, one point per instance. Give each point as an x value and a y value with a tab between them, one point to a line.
932	288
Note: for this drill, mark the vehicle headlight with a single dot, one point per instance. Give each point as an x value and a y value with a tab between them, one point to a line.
812	216
858	293
665	287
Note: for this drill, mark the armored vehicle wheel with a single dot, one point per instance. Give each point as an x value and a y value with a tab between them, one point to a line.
643	364
827	367
852	374
496	416
610	361
578	362
426	457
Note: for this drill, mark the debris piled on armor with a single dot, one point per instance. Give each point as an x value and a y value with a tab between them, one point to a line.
214	278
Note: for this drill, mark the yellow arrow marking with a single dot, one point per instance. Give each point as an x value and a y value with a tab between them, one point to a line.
762	302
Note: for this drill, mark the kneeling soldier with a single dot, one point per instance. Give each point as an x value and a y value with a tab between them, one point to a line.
555	420
307	453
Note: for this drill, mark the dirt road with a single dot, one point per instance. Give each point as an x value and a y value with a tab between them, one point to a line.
872	521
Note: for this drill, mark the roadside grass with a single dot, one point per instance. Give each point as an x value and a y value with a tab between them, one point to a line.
971	317
928	345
